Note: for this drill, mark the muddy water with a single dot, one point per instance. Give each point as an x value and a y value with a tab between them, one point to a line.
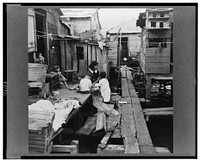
161	131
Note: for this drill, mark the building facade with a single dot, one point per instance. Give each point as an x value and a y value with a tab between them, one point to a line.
67	41
124	42
156	54
44	30
85	24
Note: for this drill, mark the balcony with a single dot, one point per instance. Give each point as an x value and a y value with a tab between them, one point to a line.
158	18
158	28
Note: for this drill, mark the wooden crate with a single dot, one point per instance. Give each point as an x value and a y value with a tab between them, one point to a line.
37	72
40	131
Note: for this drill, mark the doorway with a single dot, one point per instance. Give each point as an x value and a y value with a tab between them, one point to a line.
124	50
80	56
40	16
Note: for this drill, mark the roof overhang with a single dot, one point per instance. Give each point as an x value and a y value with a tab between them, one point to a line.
68	37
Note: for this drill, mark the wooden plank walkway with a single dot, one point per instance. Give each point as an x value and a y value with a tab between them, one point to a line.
133	130
133	126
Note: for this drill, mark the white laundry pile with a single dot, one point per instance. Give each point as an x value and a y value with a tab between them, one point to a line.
61	110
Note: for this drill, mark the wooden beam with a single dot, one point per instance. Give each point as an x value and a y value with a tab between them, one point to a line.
111	149
105	139
128	130
132	113
65	149
131	145
162	150
125	90
155	109
88	127
158	113
101	121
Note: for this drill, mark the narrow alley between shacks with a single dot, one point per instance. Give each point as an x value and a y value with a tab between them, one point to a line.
100	81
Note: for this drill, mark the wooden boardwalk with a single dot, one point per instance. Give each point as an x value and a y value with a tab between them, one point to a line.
133	128
135	131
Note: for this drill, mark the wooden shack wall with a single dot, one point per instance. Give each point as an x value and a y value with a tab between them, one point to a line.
91	52
112	55
155	60
62	49
134	42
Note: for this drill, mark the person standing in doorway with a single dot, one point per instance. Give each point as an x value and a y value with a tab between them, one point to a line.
93	69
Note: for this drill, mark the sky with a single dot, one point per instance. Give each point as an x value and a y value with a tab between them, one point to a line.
113	17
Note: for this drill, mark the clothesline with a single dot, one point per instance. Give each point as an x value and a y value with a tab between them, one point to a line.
46	33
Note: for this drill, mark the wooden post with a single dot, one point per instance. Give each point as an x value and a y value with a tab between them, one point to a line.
148	87
120	48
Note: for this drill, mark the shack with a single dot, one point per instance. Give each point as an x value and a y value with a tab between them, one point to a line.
85	24
124	43
61	118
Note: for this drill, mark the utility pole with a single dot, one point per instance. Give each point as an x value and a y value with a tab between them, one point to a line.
120	49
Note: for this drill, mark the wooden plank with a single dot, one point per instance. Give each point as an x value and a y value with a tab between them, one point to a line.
125	92
152	59
50	147
131	145
155	52
88	127
143	135
132	113
128	129
158	113
146	149
87	34
105	139
64	148
116	133
158	109
101	121
112	119
111	149
162	150
62	53
131	88
157	65
125	99
142	130
157	70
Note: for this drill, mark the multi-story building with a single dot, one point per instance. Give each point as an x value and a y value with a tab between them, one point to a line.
156	56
